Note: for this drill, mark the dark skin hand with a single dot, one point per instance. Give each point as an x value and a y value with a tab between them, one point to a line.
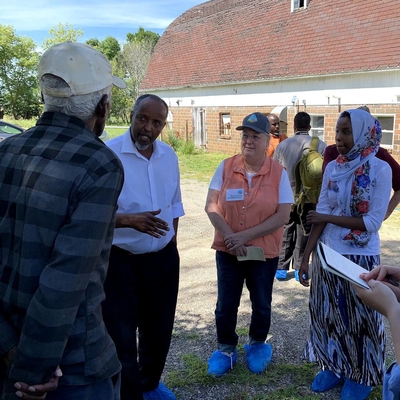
33	392
38	392
145	222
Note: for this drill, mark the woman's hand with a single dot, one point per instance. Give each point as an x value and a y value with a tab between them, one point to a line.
235	240
386	274
314	217
303	273
381	298
240	251
382	273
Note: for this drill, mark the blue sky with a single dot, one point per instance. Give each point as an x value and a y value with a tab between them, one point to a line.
97	19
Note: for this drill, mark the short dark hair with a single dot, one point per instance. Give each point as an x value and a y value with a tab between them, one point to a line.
364	108
302	120
148	96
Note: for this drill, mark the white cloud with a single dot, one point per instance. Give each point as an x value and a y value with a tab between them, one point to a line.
37	15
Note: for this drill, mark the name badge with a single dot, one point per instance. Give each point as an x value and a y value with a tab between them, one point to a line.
234	194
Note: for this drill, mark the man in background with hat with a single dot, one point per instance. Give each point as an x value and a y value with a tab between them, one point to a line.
59	190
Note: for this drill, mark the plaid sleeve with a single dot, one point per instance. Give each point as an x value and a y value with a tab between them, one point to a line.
63	283
9	337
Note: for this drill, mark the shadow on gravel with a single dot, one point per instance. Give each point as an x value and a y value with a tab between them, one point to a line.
194	338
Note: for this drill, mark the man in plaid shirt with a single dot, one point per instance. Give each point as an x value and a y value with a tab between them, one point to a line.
59	190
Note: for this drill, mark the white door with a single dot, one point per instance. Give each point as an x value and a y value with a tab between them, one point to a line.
199	127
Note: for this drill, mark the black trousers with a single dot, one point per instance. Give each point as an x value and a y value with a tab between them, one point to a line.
141	294
294	241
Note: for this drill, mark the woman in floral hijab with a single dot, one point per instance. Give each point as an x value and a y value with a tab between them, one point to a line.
346	337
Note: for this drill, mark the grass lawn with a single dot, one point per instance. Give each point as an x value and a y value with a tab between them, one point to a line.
23	123
28	123
114	131
200	166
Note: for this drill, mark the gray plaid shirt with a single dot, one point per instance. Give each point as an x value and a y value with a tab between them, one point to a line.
59	190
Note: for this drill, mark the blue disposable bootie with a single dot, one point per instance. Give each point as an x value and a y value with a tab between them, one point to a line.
281	274
325	380
160	393
354	391
258	356
220	363
296	275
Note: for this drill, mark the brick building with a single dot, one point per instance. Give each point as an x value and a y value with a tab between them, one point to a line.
223	59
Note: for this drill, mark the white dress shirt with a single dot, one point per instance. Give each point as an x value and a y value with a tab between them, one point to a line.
149	185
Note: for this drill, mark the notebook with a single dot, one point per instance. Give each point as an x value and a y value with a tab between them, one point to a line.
341	266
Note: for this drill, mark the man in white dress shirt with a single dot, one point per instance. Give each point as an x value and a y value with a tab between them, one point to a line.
142	281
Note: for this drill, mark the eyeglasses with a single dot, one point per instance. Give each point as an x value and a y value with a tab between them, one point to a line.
254	138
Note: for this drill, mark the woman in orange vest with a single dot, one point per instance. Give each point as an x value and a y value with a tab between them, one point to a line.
248	203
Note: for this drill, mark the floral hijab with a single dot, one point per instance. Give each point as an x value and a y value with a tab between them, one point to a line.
354	174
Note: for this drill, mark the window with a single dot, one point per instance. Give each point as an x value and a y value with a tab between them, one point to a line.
317	126
299	4
387	124
225	125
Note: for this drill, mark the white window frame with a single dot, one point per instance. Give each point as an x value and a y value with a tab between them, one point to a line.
387	131
225	121
314	129
295	5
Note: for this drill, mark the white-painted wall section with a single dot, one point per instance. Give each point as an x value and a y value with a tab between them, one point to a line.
379	87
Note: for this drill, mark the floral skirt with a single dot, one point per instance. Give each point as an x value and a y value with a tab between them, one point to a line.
346	336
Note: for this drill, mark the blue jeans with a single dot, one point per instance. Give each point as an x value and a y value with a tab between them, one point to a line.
104	390
259	278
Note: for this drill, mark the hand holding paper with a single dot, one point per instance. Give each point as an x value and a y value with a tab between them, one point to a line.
341	266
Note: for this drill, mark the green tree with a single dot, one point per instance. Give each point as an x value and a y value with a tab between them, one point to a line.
110	47
95	43
136	56
19	88
122	102
62	33
142	36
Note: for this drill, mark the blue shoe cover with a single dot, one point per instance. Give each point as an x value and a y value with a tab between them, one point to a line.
355	391
220	363
258	356
160	393
296	275
325	380
281	274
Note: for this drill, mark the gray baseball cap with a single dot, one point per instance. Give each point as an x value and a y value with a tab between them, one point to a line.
256	121
83	68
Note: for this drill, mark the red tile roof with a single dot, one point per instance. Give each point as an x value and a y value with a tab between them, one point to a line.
225	41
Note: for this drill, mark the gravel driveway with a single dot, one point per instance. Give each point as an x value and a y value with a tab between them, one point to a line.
194	324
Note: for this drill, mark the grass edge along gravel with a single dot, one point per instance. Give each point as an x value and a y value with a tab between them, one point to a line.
280	381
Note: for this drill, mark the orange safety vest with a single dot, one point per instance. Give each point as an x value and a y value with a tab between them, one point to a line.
259	202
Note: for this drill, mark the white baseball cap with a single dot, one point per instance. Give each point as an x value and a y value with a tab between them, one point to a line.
83	68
